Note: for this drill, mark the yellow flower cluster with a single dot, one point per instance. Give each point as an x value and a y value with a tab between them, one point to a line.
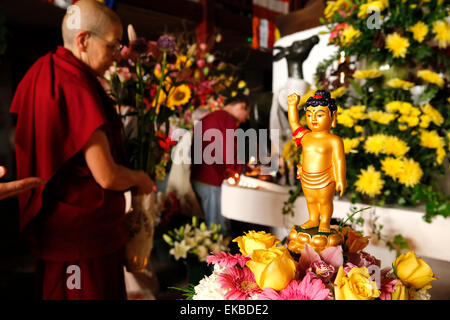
381	117
430	114
419	31
367	8
397	83
369	182
408	113
441	30
350	144
431	77
384	144
397	44
406	171
339	92
333	6
349	36
432	140
349	117
367	74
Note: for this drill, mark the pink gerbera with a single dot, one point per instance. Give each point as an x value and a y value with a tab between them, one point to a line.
241	283
307	289
225	259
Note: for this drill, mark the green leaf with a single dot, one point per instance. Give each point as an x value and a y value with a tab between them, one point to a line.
357	87
429	93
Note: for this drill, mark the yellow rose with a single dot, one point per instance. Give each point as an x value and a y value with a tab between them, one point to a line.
253	240
273	268
413	271
400	293
356	285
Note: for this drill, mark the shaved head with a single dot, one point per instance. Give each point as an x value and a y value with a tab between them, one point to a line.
87	15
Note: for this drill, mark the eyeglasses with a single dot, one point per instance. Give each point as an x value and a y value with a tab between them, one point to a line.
115	48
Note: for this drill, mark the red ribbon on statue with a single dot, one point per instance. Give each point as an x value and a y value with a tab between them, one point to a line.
299	130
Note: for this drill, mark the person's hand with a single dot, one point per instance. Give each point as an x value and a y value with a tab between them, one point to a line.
340	187
145	184
13	188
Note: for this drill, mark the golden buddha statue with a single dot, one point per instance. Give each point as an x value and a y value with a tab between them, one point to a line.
323	160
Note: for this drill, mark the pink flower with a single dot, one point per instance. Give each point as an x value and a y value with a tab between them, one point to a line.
241	283
332	256
307	289
124	74
387	285
322	270
363	259
225	259
200	63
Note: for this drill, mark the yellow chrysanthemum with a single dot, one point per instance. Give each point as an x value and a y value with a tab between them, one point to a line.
179	96
345	119
306	96
397	44
434	115
332	7
367	8
369	182
395	146
424	121
397	83
375	144
381	117
431	77
441	30
411	173
357	112
392	167
349	36
367	74
419	31
350	144
339	92
411	121
404	108
432	140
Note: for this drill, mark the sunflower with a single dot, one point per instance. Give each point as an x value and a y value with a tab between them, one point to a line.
183	62
441	31
419	31
397	83
369	182
367	74
431	77
397	44
179	96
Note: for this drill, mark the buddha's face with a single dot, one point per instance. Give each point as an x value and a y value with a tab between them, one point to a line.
319	118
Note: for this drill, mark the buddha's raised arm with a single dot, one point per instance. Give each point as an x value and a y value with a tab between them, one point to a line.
294	119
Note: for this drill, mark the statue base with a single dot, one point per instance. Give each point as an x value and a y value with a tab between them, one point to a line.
299	237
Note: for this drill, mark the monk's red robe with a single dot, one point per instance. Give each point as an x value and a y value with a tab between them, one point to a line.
70	219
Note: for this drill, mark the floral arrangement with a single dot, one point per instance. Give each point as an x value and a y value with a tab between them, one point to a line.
196	240
157	85
393	103
265	270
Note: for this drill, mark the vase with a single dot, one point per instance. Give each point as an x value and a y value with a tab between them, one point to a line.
141	225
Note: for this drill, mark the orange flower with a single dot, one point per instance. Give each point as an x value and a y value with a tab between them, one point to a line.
354	241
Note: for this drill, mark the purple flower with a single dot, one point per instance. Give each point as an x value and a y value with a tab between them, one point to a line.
166	43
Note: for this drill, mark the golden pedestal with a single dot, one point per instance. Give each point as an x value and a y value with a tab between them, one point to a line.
299	237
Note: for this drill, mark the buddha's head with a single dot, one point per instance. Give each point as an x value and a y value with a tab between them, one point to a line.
321	112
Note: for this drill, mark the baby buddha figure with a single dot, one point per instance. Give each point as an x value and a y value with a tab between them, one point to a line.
323	158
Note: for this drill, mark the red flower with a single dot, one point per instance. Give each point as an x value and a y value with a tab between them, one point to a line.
164	142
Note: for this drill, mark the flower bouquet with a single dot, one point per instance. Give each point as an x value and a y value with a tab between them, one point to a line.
266	270
193	243
393	98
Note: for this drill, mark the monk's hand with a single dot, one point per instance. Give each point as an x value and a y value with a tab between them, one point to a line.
340	187
293	99
13	188
145	184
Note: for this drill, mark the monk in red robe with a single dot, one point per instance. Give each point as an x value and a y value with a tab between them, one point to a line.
69	134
